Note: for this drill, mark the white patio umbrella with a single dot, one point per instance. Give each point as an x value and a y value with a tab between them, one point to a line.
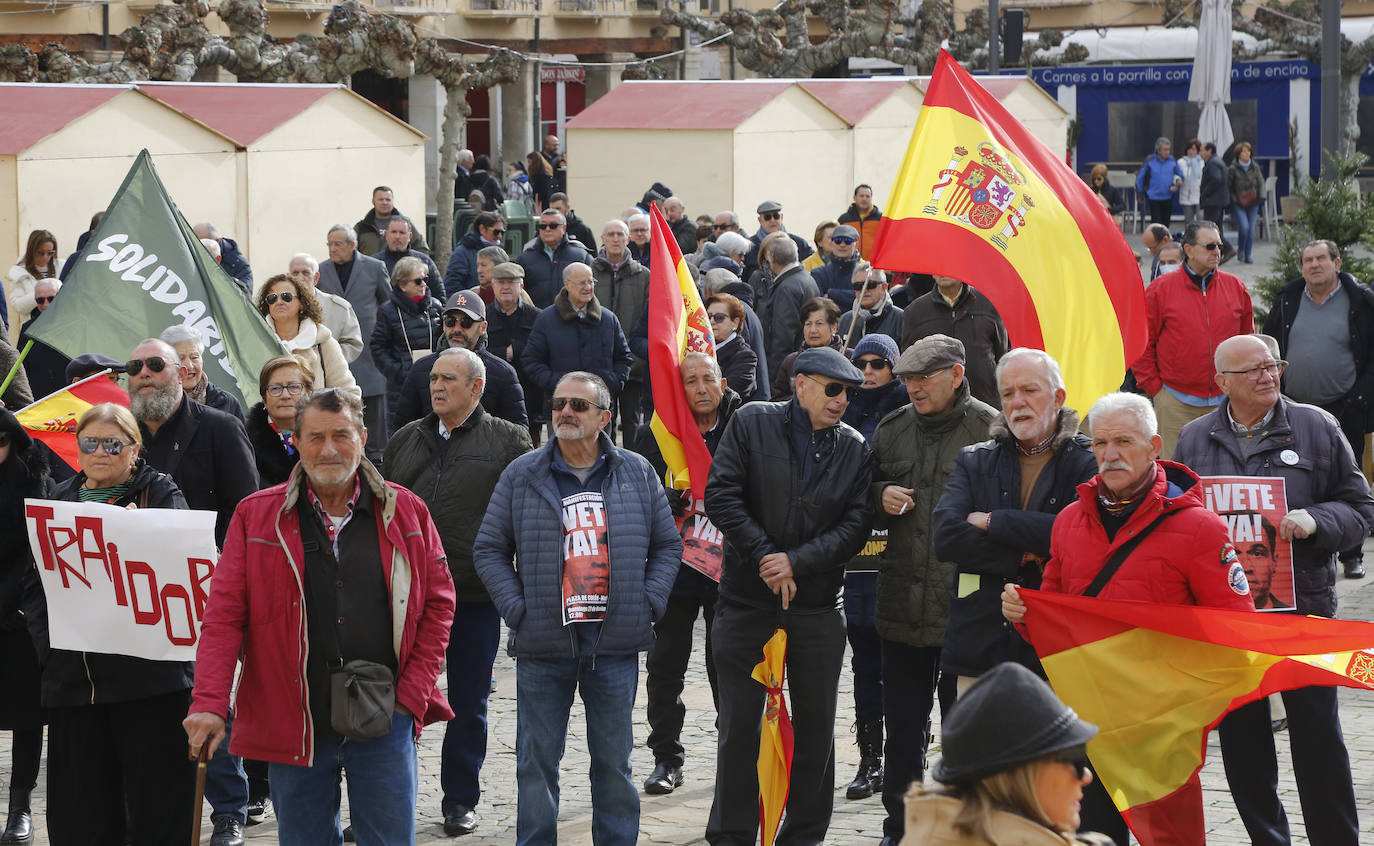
1211	84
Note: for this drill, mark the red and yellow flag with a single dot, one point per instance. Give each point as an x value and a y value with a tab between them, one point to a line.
52	419
979	198
775	740
677	325
1157	678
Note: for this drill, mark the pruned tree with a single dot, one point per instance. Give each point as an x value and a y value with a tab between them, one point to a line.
172	42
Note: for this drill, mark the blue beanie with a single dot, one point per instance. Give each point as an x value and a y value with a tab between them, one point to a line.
876	344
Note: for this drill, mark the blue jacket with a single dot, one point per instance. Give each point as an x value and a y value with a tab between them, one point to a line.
524	521
1156	177
234	264
544	276
562	342
461	273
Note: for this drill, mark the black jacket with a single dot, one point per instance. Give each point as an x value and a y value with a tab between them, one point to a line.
1285	310
578	229
455	478
221	400
23	474
85	678
987	477
502	395
404	325
436	279
506	337
1215	189
273	461
973	320
739	365
45	366
757	497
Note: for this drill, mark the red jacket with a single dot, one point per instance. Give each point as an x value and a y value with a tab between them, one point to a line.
1188	560
257	602
1186	325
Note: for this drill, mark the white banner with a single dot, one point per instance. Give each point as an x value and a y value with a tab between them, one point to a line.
120	581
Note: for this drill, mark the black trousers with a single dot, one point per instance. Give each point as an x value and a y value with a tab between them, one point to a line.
666	673
911	680
1161	211
104	759
815	654
1351	418
1321	767
375	419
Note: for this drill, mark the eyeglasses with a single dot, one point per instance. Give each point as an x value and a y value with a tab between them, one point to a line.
841	240
772	216
1215	245
875	363
295	389
718	316
113	446
1254	373
832	389
922	378
42	300
550	226
578	404
462	320
155	363
284	296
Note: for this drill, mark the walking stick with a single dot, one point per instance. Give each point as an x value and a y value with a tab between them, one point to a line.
201	762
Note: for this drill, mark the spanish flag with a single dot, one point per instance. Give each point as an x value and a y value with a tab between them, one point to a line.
52	419
1157	678
979	198
677	326
775	741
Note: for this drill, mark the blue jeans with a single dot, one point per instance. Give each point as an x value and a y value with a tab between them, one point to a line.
382	787
1245	230
543	698
226	784
472	645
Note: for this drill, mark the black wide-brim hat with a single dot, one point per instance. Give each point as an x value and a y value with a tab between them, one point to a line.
1009	717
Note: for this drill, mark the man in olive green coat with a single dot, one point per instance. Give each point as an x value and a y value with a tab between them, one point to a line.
914	450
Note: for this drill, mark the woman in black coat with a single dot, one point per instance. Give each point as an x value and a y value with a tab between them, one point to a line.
23	473
738	363
409	326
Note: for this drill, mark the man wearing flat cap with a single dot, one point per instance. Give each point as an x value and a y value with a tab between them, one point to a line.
770	221
914	449
789	489
510	319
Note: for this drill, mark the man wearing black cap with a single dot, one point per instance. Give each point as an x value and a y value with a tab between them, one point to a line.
465	327
789	488
833	278
770	221
87	364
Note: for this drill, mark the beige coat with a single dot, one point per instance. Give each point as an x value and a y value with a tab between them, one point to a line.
930	822
316	344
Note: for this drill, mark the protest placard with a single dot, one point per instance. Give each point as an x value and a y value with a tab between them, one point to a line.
703	545
1253	507
119	581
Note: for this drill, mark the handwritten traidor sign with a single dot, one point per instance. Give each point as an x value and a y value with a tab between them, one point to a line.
1253	507
123	582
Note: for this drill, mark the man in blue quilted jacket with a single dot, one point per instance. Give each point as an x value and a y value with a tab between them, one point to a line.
598	552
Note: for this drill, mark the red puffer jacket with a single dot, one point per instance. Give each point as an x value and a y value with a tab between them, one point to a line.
257	603
1188	560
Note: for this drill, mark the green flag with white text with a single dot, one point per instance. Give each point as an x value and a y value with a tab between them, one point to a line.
143	270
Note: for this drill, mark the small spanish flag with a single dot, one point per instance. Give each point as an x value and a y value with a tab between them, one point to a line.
775	740
677	326
981	199
1157	678
52	419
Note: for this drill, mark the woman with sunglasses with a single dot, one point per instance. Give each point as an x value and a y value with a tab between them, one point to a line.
1013	770
39	261
294	315
820	328
117	760
409	326
738	361
23	473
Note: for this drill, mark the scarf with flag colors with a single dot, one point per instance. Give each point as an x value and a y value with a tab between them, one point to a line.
981	199
677	325
1157	678
52	419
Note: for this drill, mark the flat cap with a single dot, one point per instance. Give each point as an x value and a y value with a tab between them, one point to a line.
769	206
933	352
508	270
87	363
830	362
844	230
469	303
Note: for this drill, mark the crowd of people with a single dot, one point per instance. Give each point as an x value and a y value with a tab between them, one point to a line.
434	454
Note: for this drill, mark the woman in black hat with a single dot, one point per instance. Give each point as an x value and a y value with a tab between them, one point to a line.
1014	769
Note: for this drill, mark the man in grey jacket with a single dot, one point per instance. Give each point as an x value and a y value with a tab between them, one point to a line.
779	304
598	552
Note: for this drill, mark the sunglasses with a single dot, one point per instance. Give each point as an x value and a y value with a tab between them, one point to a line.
719	226
578	404
875	363
550	226
423	280
42	300
463	321
1075	757
843	239
284	296
295	389
773	216
113	446
498	232
155	363
1215	245
872	285
719	316
832	389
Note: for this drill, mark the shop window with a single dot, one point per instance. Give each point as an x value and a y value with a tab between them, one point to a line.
1133	126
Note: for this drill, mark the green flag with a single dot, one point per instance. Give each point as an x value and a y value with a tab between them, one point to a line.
143	270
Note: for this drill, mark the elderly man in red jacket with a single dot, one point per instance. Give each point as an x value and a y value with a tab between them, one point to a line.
1139	530
327	580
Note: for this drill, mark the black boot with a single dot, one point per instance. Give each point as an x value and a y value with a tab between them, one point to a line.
19	824
869	779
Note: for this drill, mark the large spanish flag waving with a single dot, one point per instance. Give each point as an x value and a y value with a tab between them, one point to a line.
677	326
52	419
980	198
1157	678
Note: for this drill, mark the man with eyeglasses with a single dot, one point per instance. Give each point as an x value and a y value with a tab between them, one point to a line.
452	457
789	488
465	327
834	277
488	230
1258	432
338	313
876	313
598	552
396	246
546	257
726	221
44	365
770	221
1190	311
1324	324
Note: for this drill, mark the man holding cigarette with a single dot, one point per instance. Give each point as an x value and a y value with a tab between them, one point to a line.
914	450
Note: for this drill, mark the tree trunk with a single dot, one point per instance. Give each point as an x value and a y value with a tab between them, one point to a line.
455	122
1350	111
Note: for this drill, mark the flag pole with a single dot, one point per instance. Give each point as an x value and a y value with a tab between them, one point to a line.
17	364
854	310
